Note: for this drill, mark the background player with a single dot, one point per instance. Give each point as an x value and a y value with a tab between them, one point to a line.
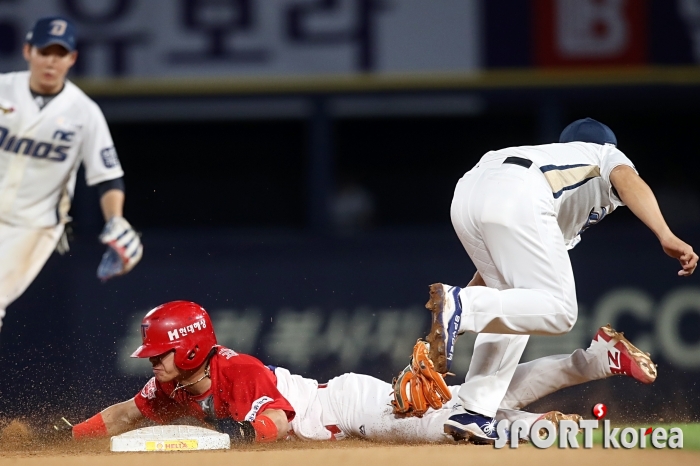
517	212
237	394
47	128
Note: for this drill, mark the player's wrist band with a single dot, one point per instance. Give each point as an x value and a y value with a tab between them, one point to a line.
265	429
92	428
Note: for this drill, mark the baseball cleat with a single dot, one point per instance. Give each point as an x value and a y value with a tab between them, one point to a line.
555	417
446	308
623	357
474	427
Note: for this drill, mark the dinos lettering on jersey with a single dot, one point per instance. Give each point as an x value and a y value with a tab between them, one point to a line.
41	150
64	135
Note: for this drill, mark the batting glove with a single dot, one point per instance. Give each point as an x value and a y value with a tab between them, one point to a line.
124	249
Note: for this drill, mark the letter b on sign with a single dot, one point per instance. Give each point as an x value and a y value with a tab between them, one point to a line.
589	32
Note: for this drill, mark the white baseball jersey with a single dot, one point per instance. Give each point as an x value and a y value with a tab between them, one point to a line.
579	175
41	150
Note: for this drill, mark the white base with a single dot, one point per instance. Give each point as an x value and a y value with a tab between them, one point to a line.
170	438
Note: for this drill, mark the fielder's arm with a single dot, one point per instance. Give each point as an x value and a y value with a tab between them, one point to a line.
112	204
637	195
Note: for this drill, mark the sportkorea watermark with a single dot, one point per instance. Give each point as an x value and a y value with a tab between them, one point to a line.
543	434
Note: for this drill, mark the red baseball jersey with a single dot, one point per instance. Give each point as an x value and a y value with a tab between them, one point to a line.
241	387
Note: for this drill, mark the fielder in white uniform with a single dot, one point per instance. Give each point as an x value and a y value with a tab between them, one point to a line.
517	213
48	127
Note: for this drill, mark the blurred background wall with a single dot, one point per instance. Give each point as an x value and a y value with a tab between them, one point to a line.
291	165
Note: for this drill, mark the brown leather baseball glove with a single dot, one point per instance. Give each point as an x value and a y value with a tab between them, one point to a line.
419	386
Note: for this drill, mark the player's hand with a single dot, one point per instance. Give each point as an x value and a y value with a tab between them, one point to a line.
676	248
60	430
124	249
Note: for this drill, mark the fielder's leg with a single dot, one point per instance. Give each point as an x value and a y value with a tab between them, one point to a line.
23	253
505	218
610	353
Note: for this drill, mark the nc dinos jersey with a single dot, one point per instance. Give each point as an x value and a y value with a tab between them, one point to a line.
579	176
41	150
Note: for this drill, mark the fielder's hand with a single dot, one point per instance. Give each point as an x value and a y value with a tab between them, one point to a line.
124	249
682	251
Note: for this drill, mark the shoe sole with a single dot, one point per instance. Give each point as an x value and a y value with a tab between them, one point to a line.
436	338
640	358
456	433
462	435
555	417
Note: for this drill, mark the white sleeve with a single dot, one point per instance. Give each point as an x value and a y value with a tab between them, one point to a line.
97	151
612	157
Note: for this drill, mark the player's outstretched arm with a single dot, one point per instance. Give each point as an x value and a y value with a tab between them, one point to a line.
116	419
637	195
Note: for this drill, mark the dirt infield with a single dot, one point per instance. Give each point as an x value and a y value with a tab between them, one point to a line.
19	447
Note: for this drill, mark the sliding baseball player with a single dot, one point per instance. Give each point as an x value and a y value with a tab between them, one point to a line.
239	395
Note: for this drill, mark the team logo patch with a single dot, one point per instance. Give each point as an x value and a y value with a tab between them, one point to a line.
109	157
227	353
149	390
255	407
184	331
58	27
144	328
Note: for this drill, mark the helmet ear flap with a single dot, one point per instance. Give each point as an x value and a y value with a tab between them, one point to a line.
192	354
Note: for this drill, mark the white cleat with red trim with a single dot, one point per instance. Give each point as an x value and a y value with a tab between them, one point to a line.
622	356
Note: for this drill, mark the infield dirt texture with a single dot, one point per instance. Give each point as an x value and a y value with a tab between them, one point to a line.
19	447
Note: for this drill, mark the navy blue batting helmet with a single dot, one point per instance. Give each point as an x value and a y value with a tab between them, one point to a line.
588	130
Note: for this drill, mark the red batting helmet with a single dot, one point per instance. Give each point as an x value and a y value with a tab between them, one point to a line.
182	326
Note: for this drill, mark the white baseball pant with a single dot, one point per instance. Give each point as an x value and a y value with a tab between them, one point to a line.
360	405
504	216
23	253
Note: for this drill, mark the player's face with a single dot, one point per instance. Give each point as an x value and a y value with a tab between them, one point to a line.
164	368
48	67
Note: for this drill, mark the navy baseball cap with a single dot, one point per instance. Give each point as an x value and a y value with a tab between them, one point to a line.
53	30
588	130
